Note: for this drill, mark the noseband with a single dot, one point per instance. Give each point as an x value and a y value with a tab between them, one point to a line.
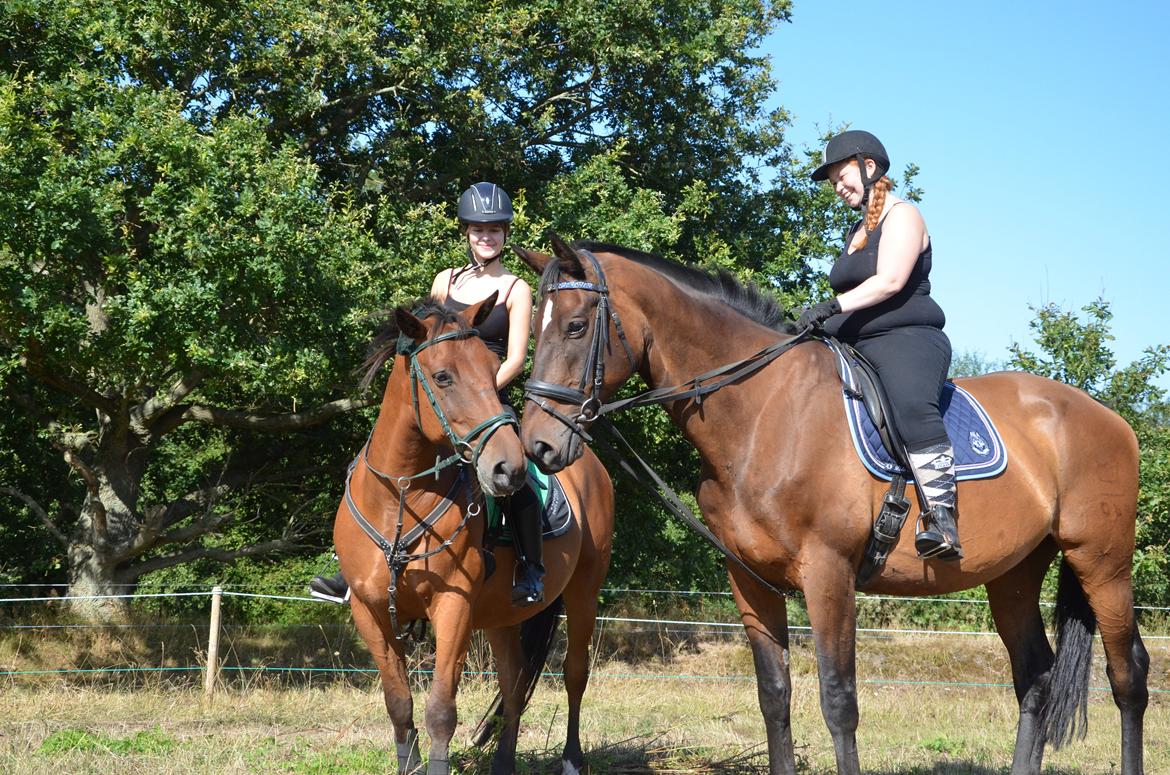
589	404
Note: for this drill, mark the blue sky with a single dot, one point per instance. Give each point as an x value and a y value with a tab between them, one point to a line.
1042	130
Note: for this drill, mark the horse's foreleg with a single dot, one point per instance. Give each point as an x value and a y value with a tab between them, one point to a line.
390	658
581	617
506	649
832	613
765	620
1015	605
451	620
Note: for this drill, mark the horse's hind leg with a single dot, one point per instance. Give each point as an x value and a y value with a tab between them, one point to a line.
1107	584
1015	605
390	658
765	620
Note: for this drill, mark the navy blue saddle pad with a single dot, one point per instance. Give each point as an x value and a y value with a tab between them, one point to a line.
979	449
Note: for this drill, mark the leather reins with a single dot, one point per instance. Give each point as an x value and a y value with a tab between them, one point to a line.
591	409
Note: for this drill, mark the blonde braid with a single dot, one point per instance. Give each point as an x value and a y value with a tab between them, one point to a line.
877	200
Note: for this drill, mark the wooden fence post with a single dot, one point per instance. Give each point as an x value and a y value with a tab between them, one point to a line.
213	643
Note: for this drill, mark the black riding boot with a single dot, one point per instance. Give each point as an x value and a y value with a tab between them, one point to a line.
938	534
333	589
523	510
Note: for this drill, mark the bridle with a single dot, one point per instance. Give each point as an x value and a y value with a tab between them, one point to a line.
593	375
591	408
461	444
397	551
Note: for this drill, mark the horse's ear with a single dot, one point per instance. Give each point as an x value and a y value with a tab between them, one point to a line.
570	261
538	261
410	326
476	314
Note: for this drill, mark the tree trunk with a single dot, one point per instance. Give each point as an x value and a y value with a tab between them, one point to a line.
109	523
92	574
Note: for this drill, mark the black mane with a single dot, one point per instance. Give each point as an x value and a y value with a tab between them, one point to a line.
384	345
720	285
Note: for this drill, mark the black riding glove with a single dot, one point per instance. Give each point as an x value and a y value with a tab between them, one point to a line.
817	314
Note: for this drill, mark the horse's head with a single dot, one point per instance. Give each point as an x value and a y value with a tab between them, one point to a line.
583	353
453	389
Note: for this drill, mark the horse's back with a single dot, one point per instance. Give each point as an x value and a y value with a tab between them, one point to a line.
1062	441
1072	421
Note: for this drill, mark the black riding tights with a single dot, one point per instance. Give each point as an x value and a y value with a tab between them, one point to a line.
912	363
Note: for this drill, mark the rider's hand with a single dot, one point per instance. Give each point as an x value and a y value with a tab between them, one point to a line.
817	314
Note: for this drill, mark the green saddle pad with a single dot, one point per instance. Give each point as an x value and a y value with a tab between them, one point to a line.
553	506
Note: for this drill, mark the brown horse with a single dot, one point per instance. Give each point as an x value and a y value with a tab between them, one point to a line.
782	488
419	556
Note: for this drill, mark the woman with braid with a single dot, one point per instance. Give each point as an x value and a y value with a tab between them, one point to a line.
884	310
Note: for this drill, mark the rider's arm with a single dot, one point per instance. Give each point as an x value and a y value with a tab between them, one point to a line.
439	285
519	320
903	233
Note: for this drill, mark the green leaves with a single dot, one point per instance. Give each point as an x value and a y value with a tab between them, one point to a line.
1076	352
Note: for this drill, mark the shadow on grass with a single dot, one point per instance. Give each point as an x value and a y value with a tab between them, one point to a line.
651	755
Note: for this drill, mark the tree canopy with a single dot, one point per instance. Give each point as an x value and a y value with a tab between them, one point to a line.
201	204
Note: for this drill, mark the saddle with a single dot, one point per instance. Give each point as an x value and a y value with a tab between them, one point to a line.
881	449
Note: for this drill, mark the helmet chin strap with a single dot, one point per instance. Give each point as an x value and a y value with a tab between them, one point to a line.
475	263
866	181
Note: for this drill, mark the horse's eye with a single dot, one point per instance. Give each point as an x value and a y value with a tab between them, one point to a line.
442	379
575	327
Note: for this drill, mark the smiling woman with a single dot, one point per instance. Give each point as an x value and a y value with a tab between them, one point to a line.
485	218
884	310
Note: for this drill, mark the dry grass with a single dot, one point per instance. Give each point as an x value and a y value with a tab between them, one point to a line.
928	705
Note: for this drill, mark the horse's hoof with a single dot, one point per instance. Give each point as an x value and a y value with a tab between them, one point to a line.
438	766
409	760
569	768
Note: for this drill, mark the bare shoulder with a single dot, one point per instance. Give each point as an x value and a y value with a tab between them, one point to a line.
904	216
521	292
439	284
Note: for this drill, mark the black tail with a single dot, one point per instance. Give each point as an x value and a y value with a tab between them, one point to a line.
1066	713
536	638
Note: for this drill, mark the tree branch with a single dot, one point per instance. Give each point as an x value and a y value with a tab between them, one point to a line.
37	509
340	101
159	518
571	92
134	572
279	423
150	411
36	367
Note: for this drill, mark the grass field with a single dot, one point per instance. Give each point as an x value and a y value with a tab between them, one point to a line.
929	704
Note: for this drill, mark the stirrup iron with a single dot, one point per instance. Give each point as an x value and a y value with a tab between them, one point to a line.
933	543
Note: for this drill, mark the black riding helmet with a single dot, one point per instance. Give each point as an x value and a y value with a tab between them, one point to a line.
854	144
485	203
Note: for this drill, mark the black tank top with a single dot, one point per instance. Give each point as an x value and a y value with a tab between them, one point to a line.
494	329
911	306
